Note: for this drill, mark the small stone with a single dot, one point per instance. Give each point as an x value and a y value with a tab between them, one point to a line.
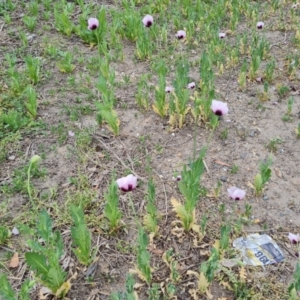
266	197
295	181
243	155
223	178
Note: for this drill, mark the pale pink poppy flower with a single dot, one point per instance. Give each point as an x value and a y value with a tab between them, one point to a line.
71	133
93	23
236	193
219	108
177	178
222	35
181	34
169	89
191	85
15	231
147	21
260	25
294	238
128	183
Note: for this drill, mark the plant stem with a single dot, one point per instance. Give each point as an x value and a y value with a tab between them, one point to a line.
28	186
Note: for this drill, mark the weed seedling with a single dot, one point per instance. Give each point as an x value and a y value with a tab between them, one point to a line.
143	268
30	22
33	161
207	273
31	103
294	287
169	259
150	219
234	169
224	134
7	292
290	105
45	257
109	115
66	63
81	236
217	189
4	235
298	131
272	146
130	293
282	90
190	188
111	210
263	176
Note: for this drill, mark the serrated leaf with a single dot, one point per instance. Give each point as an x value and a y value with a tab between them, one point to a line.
25	289
82	239
180	210
138	272
35	246
59	244
196	228
37	262
161	112
44	226
77	214
65	287
150	224
202	283
55	278
6	291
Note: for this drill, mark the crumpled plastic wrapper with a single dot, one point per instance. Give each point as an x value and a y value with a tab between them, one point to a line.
258	250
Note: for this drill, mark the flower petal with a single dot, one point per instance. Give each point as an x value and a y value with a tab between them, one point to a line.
147	21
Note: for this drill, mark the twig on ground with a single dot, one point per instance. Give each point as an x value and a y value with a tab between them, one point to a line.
117	157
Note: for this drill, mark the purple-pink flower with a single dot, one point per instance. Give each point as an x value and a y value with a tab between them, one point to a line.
181	34
294	238
177	178
236	193
219	108
93	23
169	89
191	85
71	133
222	35
147	21
128	183
260	25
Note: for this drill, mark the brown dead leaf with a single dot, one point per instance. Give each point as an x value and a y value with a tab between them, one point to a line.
250	185
14	262
278	172
219	162
44	292
204	246
137	286
243	274
226	285
152	249
205	253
